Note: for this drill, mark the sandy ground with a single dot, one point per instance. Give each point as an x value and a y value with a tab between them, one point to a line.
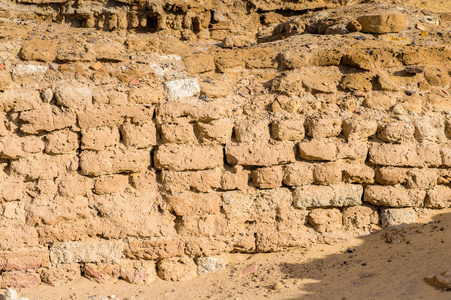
366	268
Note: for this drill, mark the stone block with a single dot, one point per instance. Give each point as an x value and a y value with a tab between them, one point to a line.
154	249
318	150
145	181
109	96
192	204
188	157
217	130
268	178
63	141
354	151
46	119
327	173
252	130
438	197
118	160
61	274
23	259
392	217
138	271
25	73
394	196
20	99
99	138
146	94
383	22
13	146
361	217
323	128
298	173
110	184
236	179
45	166
177	133
177	269
208	265
139	136
73	95
288	130
326	220
199	63
405	155
359	129
102	273
86	252
182	88
422	178
113	115
332	195
260	154
391	175
397	132
20	279
430	130
5	80
357	173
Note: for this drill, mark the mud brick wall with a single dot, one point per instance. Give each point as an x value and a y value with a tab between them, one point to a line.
218	150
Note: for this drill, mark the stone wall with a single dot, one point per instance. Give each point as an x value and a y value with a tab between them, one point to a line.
117	161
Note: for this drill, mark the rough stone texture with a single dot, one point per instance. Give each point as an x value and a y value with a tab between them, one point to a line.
332	195
438	197
191	157
326	220
252	130
405	155
87	252
72	95
394	196
137	272
383	23
361	217
391	217
102	273
268	178
19	279
62	274
288	130
182	88
177	269
298	174
440	280
206	265
260	154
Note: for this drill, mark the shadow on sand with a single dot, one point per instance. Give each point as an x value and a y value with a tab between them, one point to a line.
378	269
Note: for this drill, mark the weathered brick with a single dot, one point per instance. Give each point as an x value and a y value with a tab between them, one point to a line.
138	271
327	173
63	141
318	150
73	184
18	236
109	96
118	160
20	100
288	130
139	136
323	128
268	178
199	63
422	178
188	157
202	181
191	204
252	130
110	184
359	129
145	181
86	252
154	249
362	216
394	196
45	166
46	119
430	130
445	153
108	115
391	175
438	197
391	217
333	195
99	138
357	173
326	220
177	133
352	151
73	95
216	130
177	269
12	147
298	173
61	274
11	191
102	273
260	154
24	259
20	279
146	94
238	179
397	131
405	155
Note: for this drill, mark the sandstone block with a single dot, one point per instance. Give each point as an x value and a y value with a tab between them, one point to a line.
12	147
20	100
213	90
260	154
217	130
429	130
146	94
86	252
63	141
356	129
199	63
205	181
113	115
19	279
268	178
177	269
11	191
298	173
422	178
72	185
252	130
207	265
445	153
383	22
355	151
46	119
378	100
394	196
440	280
62	274
318	150
391	175
356	82
109	96
405	155
294	59
333	195
361	217
323	128
109	50
391	217
189	157
24	259
182	88
238	179
73	95
137	272
5	80
327	173
17	236
114	161
438	197
154	249
177	133
24	73
288	130
357	173
102	273
397	131
326	220
99	138
191	204
237	41
45	167
145	181
139	136
110	184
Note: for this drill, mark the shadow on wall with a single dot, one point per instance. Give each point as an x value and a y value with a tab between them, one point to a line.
388	265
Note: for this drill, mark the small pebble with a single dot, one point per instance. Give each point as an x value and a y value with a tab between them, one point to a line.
277	286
